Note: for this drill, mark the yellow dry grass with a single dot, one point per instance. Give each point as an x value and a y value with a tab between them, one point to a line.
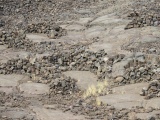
98	102
95	90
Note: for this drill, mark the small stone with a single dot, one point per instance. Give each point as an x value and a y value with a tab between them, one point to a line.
141	69
142	93
158	95
154	83
148	22
152	118
156	23
144	89
132	74
2	23
52	34
105	59
153	88
152	50
129	26
119	79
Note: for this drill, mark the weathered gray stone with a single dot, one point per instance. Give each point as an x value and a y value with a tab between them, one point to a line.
6	90
75	27
146	116
95	31
128	97
72	37
11	80
105	20
141	69
37	38
11	54
49	114
118	69
154	102
106	46
34	88
3	47
17	114
83	11
85	78
83	21
119	79
148	38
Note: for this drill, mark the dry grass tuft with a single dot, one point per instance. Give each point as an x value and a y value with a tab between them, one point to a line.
98	102
100	88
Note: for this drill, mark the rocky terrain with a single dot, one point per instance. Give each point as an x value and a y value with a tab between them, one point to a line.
79	59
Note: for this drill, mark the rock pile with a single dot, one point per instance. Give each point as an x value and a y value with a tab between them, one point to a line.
153	90
20	12
147	48
18	39
145	13
91	110
150	48
131	69
63	85
10	37
144	20
77	57
58	62
128	69
53	31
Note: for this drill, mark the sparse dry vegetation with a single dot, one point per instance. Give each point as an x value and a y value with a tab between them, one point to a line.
100	88
98	102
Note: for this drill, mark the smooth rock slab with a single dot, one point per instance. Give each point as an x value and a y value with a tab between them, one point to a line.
130	89
151	30
6	90
34	88
85	78
155	103
83	11
11	80
83	21
118	69
117	30
95	31
146	116
17	114
106	19
3	47
75	27
106	46
48	114
73	36
149	38
9	54
37	38
128	96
